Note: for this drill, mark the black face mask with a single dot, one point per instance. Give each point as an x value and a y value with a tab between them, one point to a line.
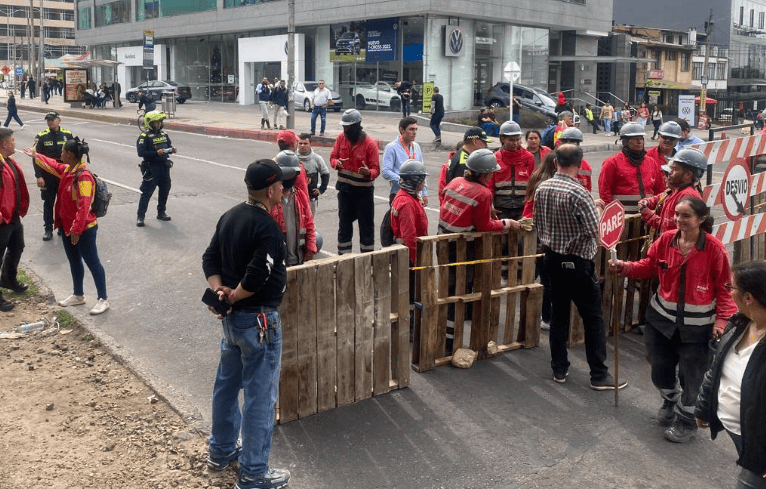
353	132
288	184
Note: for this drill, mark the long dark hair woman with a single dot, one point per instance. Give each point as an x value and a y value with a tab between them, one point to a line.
733	392
691	306
76	219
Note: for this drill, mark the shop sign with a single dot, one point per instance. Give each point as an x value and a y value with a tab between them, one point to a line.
454	41
428	94
348	42
656	74
686	108
382	40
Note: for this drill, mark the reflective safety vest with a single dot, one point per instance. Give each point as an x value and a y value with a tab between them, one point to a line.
509	183
619	180
466	207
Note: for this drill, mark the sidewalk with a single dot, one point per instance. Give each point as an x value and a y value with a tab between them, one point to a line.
238	121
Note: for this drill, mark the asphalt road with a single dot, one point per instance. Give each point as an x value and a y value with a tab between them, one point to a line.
501	424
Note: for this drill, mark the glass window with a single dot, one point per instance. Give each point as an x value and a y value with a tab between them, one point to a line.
83	19
671	55
760	20
685	58
116	12
657	59
721	68
752	18
181	7
741	15
696	71
147	9
242	3
711	71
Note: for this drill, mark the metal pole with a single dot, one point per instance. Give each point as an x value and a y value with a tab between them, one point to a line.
290	62
703	92
32	61
41	65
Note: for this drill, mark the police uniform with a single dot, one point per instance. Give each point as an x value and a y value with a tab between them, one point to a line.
156	170
50	143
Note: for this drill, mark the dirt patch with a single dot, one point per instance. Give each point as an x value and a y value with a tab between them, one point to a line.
73	416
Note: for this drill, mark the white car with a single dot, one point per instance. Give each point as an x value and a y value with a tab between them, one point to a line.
381	94
303	96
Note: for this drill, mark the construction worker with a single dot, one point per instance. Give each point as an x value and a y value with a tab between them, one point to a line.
572	135
294	216
669	135
408	218
355	156
630	175
473	139
509	184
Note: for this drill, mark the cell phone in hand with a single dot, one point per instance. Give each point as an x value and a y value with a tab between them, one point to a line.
211	299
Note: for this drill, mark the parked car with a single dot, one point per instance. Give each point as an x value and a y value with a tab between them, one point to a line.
348	43
725	115
381	94
532	98
303	96
155	89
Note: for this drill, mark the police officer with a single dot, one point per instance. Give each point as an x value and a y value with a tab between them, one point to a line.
154	146
49	143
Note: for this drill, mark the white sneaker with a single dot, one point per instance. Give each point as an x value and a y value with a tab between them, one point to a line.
101	306
22	127
72	300
545	326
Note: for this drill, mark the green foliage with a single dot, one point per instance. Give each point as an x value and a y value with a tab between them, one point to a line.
66	320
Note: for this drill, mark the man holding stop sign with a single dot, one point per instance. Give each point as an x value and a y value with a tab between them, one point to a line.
568	228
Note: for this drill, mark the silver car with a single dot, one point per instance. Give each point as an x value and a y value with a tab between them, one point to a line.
303	96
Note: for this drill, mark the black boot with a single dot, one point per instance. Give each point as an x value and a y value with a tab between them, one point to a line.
268	125
263	123
162	216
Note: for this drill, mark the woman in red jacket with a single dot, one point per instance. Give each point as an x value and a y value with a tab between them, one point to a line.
74	216
691	306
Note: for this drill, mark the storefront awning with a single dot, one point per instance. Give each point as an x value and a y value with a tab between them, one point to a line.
601	59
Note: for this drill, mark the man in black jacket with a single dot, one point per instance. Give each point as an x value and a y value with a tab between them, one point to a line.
50	142
245	265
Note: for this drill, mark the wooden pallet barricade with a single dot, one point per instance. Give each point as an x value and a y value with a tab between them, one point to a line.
345	331
507	314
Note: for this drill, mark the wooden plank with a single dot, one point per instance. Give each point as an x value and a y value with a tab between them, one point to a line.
531	302
427	327
381	353
511	301
461	274
482	281
634	252
288	382
363	319
324	295
442	276
400	332
496	277
529	250
305	308
345	311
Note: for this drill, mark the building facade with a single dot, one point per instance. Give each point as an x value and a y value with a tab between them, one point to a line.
222	48
20	31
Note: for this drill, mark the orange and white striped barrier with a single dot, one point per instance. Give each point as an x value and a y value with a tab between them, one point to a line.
712	193
748	226
726	149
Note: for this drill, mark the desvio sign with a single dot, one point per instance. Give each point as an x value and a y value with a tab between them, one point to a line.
611	224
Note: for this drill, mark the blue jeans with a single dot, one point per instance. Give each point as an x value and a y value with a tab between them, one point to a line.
436	120
405	106
318	111
85	249
247	364
607	125
14	116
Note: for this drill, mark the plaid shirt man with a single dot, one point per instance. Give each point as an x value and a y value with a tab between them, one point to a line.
566	217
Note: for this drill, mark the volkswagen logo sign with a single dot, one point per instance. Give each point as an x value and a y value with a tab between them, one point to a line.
456	41
286	47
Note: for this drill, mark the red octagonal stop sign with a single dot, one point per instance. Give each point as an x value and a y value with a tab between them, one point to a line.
611	224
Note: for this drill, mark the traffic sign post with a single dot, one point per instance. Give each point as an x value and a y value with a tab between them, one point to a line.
610	228
735	188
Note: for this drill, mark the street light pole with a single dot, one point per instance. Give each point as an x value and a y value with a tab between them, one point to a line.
41	69
30	17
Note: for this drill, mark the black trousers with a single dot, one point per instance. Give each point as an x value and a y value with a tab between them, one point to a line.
573	280
665	354
48	194
356	205
11	247
545	280
160	178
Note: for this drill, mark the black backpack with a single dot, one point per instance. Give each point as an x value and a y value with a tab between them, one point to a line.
101	195
386	233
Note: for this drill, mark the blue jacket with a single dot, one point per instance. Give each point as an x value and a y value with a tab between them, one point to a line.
279	96
264	92
11	105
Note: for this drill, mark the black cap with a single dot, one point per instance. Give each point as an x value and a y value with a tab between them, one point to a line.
52	115
264	173
476	133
